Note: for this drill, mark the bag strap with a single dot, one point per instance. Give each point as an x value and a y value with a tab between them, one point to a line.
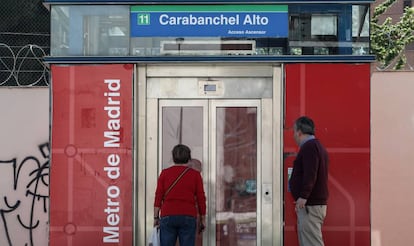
175	182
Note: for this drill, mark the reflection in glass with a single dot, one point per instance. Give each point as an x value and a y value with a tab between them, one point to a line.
181	125
90	30
329	29
236	199
314	29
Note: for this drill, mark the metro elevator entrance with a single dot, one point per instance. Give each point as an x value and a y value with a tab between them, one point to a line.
230	117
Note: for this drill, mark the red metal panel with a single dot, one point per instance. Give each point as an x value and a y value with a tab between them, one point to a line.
91	164
336	97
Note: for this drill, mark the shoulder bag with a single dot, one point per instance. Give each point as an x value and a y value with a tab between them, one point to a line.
175	182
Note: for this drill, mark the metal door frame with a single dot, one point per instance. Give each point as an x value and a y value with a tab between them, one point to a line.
209	107
270	152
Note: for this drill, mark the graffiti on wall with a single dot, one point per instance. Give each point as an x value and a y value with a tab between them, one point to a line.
23	67
24	199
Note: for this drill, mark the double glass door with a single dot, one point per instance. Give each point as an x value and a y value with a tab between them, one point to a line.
230	117
225	136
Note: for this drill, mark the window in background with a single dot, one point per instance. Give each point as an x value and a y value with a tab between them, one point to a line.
407	3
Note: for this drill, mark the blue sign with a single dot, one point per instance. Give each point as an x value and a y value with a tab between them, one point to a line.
209	21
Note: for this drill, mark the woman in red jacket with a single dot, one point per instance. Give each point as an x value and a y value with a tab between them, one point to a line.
176	208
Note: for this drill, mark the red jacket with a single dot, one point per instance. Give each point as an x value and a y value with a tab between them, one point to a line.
185	197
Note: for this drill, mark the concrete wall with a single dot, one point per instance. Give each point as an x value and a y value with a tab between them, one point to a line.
24	166
392	158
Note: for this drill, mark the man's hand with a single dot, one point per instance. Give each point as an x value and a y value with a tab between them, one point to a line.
300	203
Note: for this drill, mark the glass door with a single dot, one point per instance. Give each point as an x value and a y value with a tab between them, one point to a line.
235	161
185	122
224	136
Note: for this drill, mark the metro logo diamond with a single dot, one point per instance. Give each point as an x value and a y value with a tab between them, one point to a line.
143	19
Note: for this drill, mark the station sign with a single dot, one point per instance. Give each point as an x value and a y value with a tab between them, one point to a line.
266	20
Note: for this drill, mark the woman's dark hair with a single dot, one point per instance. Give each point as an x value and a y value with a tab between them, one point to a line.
305	125
181	154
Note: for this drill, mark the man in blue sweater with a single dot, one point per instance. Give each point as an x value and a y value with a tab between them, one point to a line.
309	183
